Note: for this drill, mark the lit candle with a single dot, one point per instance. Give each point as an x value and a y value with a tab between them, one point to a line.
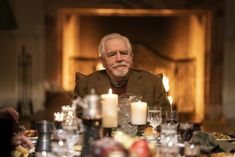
170	98
109	110
138	113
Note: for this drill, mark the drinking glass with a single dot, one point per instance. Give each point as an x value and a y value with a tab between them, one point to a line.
169	135
192	150
71	135
154	118
70	128
71	138
172	118
186	131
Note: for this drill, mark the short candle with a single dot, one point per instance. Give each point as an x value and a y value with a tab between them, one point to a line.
138	113
109	110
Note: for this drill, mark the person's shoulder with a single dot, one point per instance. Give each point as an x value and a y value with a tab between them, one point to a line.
100	74
147	74
83	81
96	74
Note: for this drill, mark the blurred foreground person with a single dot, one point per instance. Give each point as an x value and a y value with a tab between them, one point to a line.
8	137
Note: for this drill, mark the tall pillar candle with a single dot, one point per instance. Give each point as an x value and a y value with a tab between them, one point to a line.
138	113
109	110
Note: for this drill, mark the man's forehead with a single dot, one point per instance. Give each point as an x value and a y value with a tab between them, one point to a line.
115	43
115	40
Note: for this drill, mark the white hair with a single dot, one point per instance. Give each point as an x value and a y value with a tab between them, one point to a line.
101	47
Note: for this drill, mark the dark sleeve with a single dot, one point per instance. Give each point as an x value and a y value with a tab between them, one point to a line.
6	133
79	85
79	91
161	96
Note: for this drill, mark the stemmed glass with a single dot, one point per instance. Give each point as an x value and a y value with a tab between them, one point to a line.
72	136
154	118
70	127
172	118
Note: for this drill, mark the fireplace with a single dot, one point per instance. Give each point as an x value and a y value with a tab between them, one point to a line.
173	42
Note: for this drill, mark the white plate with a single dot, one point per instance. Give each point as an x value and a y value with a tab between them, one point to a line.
227	140
180	144
150	138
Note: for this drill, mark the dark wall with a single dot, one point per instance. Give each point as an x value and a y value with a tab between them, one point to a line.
167	35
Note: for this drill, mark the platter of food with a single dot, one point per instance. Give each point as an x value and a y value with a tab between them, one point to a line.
30	133
222	137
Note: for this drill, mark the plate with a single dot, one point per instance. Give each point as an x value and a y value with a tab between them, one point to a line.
150	138
33	139
180	145
227	140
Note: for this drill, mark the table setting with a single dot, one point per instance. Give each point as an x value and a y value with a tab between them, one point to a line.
124	127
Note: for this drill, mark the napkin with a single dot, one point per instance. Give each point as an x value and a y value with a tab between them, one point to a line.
209	144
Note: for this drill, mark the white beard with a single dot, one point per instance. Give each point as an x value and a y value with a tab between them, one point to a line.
120	73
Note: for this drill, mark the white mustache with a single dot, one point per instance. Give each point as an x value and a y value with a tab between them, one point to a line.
119	64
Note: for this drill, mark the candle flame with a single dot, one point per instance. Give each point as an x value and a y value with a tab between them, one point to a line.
170	98
99	66
110	91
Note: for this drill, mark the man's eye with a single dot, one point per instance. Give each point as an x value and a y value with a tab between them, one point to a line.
111	54
124	52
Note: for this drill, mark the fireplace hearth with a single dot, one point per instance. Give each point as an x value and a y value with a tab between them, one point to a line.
181	39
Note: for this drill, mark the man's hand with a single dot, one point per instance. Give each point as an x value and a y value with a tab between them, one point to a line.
21	140
10	112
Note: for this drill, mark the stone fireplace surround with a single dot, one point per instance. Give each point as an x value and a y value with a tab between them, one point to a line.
212	51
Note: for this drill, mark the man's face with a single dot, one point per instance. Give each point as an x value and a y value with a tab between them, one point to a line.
116	59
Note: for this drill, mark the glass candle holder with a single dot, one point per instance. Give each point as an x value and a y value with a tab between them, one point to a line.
169	135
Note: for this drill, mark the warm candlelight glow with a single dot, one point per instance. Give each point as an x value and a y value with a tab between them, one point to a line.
99	66
70	49
110	91
58	116
170	98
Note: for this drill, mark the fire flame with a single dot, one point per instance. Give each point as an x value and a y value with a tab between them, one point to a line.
166	83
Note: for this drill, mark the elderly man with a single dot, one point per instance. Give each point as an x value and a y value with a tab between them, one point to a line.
116	57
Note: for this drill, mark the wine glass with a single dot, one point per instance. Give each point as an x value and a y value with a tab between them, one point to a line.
154	118
186	131
172	118
70	128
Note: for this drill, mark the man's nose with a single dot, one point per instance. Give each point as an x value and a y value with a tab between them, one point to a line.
118	56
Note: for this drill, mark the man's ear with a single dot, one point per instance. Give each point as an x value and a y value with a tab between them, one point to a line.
132	54
101	61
